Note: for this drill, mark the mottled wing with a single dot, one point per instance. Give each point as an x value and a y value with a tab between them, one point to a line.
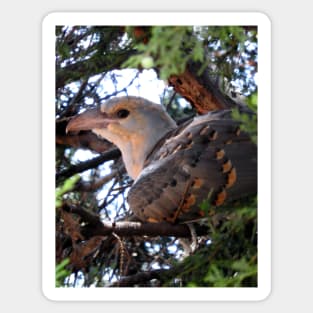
208	158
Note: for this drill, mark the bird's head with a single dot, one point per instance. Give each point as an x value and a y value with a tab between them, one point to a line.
133	124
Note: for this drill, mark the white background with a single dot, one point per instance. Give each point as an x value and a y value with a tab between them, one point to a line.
21	165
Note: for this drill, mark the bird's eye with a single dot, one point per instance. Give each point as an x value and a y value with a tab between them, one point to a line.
123	113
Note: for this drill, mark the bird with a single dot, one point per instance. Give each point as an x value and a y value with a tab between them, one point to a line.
175	168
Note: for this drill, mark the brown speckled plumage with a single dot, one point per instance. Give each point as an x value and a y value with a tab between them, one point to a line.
176	168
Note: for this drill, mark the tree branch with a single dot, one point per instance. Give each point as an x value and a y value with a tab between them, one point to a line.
142	278
83	166
85	140
94	65
202	92
188	86
94	227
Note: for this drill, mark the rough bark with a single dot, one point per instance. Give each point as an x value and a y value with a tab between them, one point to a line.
201	91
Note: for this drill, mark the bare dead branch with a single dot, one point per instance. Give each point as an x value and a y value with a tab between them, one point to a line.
83	166
92	186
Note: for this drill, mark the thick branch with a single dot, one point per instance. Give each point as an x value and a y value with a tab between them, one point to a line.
86	140
188	85
83	139
129	229
94	227
202	92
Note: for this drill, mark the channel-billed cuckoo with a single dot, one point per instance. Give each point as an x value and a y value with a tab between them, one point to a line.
175	168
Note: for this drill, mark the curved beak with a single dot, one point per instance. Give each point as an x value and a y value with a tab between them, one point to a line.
88	120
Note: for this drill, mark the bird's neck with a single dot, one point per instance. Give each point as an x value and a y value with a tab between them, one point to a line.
137	150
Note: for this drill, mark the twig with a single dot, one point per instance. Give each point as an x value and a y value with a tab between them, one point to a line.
171	100
143	277
138	278
96	184
124	89
83	166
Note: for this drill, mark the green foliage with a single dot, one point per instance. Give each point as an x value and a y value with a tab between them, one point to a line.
232	50
65	188
89	57
169	49
252	101
243	271
227	36
61	272
229	51
230	259
205	204
248	121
